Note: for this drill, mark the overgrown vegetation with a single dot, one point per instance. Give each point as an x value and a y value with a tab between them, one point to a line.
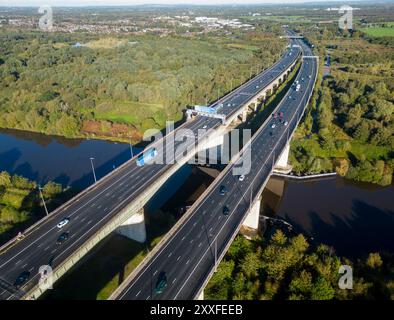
119	86
20	204
350	124
291	268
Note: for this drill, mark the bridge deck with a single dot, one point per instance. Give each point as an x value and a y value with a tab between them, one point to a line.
188	255
97	208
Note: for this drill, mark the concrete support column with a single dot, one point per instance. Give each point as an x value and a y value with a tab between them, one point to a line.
282	165
134	227
244	115
250	225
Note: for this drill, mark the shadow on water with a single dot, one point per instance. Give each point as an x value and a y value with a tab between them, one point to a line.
369	229
9	158
354	218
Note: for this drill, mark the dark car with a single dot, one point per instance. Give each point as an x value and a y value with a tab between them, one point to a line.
63	237
161	283
222	190
22	279
226	210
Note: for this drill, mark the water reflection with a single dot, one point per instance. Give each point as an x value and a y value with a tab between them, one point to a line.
354	218
46	158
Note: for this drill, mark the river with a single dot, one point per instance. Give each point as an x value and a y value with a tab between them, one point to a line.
354	218
45	158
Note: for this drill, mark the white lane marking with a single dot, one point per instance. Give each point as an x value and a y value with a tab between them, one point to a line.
154	273
184	223
177	259
126	174
184	283
138	293
188	260
170	254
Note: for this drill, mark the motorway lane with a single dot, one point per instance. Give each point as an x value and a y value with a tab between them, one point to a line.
245	92
99	207
93	209
188	278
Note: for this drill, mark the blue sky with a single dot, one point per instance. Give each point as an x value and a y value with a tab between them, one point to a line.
37	3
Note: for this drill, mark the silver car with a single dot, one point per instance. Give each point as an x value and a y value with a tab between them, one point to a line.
62	223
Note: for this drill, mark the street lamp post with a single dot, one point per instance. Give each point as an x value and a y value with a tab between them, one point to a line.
94	173
42	198
273	161
131	150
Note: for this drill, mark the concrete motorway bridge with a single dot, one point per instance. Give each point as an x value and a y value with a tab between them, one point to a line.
115	203
190	252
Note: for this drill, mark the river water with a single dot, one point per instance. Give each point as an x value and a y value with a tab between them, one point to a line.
67	161
354	218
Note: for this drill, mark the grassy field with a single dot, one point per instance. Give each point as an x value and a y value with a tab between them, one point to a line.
132	113
379	31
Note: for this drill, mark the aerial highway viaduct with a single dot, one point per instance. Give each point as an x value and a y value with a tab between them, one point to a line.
189	254
116	201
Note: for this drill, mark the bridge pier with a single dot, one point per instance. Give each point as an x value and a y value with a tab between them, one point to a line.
250	225
134	227
282	165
